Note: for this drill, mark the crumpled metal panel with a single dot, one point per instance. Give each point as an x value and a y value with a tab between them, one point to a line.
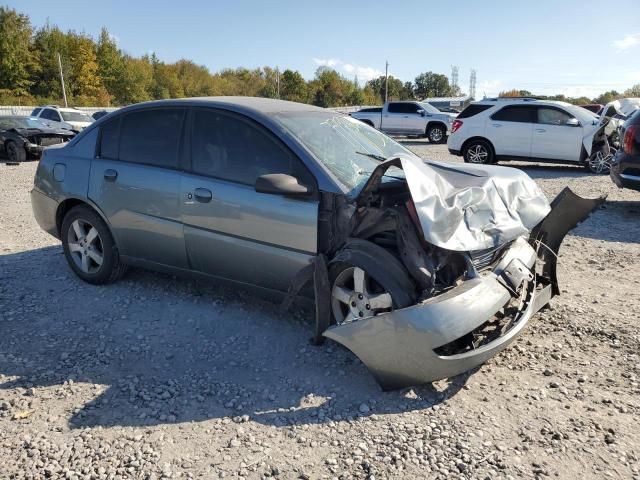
473	207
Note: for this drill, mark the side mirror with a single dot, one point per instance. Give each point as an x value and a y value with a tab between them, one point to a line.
572	122
421	112
281	184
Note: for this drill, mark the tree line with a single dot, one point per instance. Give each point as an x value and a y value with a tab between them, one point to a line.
99	73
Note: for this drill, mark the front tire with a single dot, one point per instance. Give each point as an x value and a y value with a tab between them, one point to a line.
478	151
15	154
89	247
436	134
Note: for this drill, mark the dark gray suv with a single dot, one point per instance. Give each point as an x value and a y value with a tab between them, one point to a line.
423	269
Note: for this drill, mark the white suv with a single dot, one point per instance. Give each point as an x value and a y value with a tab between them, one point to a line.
523	129
63	117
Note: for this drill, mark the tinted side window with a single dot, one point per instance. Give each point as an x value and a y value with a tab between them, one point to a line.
395	108
49	114
229	148
151	137
35	112
411	108
109	139
552	116
515	114
472	110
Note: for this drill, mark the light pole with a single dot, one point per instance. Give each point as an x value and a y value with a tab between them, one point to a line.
64	93
386	80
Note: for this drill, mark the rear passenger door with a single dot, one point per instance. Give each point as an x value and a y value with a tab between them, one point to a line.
510	130
135	181
394	118
232	231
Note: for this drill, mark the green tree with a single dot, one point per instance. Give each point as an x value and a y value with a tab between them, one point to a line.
85	85
293	86
17	62
633	91
110	65
607	97
431	84
396	90
329	88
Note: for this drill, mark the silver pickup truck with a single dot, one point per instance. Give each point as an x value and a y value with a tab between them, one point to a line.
408	118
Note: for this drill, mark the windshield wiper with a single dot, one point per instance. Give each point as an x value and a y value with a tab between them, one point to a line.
380	158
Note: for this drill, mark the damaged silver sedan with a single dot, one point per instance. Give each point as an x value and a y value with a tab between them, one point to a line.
423	269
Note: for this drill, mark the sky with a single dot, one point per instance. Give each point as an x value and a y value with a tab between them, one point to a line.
545	46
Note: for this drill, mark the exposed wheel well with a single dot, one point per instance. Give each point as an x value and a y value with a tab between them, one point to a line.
435	124
64	207
469	140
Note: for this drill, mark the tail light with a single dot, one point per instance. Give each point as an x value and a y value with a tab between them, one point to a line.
456	126
629	138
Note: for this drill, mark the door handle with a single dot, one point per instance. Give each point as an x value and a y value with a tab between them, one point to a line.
540	130
406	116
110	175
497	125
203	195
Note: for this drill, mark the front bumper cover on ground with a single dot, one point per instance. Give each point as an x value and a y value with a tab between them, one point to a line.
399	347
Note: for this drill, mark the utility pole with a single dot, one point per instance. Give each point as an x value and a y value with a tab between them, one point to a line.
472	84
386	80
64	92
278	81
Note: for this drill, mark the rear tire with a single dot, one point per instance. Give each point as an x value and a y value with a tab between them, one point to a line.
478	151
15	154
89	247
436	134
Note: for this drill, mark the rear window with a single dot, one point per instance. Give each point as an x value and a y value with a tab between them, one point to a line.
515	113
109	139
151	137
473	109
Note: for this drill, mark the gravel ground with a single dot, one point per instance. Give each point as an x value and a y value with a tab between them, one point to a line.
158	377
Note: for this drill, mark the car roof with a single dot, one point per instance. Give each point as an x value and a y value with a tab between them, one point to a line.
255	104
522	101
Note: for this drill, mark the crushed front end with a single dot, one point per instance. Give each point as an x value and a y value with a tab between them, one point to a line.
453	308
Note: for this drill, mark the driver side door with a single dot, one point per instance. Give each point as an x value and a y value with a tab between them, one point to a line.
231	231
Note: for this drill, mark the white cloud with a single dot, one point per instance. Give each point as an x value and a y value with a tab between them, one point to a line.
629	40
363	73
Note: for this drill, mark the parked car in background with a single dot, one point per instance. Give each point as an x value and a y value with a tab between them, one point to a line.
62	117
408	118
529	129
625	170
594	108
24	137
273	194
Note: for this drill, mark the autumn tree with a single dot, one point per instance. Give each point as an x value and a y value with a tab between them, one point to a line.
17	62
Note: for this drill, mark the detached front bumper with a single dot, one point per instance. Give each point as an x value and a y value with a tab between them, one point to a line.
399	347
404	347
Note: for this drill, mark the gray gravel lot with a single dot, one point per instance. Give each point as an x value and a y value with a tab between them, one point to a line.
159	377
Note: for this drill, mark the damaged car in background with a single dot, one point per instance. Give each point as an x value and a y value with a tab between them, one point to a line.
24	137
423	270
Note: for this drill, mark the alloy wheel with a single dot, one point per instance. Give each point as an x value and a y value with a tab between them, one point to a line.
478	154
85	246
354	296
600	162
435	135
